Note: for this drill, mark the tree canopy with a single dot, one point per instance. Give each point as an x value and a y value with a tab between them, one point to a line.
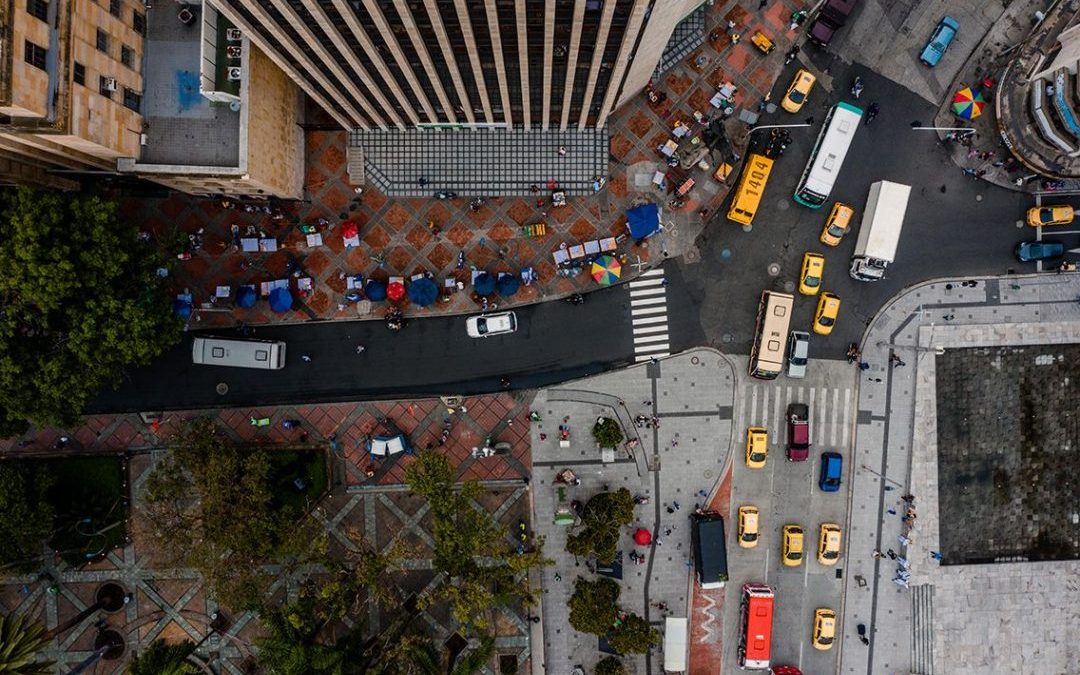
608	433
594	605
20	642
609	665
162	658
604	514
81	300
26	517
633	635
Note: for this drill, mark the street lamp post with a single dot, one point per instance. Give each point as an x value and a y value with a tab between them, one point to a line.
777	126
922	128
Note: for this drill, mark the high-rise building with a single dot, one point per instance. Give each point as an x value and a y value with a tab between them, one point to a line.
379	64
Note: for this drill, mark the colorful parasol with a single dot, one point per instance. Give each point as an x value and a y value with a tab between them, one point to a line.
395	291
968	103
606	270
642	537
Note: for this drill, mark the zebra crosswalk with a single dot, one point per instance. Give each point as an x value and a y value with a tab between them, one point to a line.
831	410
648	315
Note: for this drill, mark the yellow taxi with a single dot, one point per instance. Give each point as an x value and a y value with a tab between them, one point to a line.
1059	214
757	447
793	546
798	91
829	544
828	308
824	628
813	266
837	224
748	526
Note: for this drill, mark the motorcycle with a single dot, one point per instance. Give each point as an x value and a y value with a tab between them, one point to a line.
871	113
476	204
790	56
445	194
575	299
857	88
862	634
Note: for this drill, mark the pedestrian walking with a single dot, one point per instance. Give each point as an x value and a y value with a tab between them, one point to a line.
889	488
667	532
891	511
659	541
908	498
904	541
646	403
863	365
360	349
670	510
676	505
876	554
810	120
306	357
891	553
936	555
702	493
562	151
874	379
903	562
730	25
558	577
761	5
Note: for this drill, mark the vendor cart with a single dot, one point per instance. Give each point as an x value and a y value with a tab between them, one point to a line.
762	42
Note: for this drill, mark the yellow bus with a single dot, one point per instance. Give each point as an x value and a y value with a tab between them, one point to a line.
771	335
751	187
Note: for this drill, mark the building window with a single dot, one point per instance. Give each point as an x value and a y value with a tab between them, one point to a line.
102	41
38	8
35	55
78	73
138	22
106	86
132	99
127	56
114	8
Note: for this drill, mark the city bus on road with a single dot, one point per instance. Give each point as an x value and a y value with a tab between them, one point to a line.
828	154
755	634
751	188
771	335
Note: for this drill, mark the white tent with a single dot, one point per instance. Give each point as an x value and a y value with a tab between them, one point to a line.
675	637
383	446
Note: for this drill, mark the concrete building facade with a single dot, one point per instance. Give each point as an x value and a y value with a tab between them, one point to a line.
380	64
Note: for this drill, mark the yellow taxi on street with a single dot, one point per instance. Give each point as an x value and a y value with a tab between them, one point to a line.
1050	214
813	267
837	224
757	447
828	308
798	91
824	628
792	546
829	544
748	526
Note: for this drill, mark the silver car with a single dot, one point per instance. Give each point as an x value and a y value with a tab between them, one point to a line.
798	353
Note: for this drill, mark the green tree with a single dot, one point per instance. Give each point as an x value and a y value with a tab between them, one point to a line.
26	517
409	654
291	647
20	641
209	502
473	661
609	665
608	433
594	605
81	300
162	658
604	514
633	635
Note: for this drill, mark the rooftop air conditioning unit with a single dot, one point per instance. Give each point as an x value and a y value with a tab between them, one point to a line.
110	84
234	73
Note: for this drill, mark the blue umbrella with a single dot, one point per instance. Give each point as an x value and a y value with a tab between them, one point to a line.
246	297
423	292
484	284
375	290
507	285
182	308
281	300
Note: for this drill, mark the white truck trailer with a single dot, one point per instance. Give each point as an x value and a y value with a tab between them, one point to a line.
879	231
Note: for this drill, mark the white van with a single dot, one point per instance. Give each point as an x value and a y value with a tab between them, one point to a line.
262	354
676	634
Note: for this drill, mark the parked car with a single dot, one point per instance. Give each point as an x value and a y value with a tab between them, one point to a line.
798	353
829	544
795	97
748	526
828	308
487	325
939	41
757	447
1041	216
837	224
813	267
824	628
792	550
798	430
831	18
1031	251
832	466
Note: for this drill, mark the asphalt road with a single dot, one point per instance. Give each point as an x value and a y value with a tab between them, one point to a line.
968	229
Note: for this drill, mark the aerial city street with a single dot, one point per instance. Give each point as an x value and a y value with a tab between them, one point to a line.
563	337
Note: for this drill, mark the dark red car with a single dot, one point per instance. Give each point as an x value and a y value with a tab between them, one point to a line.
798	432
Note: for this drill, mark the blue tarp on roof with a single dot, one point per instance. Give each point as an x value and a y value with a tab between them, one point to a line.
643	221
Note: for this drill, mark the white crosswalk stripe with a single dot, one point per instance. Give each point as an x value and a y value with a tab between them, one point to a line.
831	412
648	315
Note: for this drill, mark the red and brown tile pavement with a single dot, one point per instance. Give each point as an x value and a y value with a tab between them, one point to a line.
394	236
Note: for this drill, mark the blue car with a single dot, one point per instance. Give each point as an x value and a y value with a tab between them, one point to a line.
832	465
939	41
1031	251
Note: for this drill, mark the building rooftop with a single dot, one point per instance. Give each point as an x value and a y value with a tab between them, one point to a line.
183	127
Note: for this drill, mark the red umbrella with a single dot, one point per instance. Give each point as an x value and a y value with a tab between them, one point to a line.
395	291
642	537
349	229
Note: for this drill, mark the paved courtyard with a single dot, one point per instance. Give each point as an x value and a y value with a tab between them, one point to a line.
1006	429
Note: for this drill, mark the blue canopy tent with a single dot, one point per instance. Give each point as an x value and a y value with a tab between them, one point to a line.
375	290
484	284
643	221
507	285
281	300
423	292
182	307
246	297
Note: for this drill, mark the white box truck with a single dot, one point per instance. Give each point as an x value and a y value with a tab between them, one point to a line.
676	635
879	231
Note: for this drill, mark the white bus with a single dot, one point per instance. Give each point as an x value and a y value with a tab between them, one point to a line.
771	335
262	354
825	161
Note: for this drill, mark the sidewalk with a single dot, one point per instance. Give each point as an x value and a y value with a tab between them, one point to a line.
394	237
935	624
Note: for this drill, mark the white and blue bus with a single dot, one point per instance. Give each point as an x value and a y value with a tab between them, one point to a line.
825	161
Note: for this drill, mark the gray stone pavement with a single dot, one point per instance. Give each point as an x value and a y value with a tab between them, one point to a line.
692	395
787	493
1001	618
